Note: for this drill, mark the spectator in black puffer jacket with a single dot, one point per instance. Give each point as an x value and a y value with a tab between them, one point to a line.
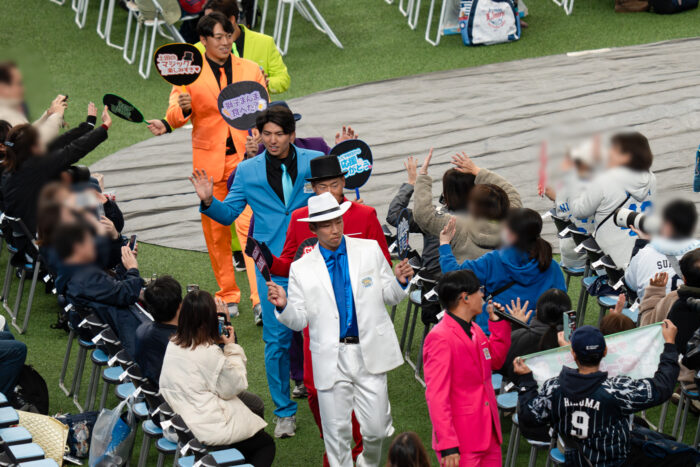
685	312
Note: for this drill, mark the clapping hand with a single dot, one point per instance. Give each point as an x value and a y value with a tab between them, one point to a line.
620	304
660	279
411	165
106	118
426	163
403	271
448	233
203	186
519	312
464	164
345	134
276	295
92	110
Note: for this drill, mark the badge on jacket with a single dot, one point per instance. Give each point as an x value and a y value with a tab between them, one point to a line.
367	282
487	354
308	188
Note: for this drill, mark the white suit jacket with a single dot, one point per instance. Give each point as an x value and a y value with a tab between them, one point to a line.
311	302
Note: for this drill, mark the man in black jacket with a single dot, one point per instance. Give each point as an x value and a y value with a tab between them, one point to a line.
87	286
685	312
588	410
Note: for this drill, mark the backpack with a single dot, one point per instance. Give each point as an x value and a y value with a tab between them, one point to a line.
486	22
666	7
31	393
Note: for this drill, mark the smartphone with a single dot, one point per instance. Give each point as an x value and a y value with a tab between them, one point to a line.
192	288
569	323
132	242
223	323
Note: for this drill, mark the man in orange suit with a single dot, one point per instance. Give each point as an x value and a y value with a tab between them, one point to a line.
217	148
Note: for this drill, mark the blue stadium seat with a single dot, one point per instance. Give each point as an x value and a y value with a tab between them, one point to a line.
3	400
124	390
99	357
15	435
631	314
608	300
588	281
40	463
8	417
223	457
141	410
25	452
507	401
111	375
496	381
557	456
151	428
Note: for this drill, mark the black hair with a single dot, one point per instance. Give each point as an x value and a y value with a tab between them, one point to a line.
551	306
22	139
637	147
488	201
590	360
453	283
198	323
6	68
690	268
407	451
5	128
682	216
526	224
279	115
67	236
456	187
206	25
227	7
163	297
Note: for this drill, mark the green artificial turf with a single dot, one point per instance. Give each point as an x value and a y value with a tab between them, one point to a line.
57	57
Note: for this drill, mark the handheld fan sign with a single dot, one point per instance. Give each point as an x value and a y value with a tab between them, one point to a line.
305	247
241	102
402	231
355	158
253	250
122	108
179	64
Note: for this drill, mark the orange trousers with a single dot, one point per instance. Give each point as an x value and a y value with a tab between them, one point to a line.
242	227
218	239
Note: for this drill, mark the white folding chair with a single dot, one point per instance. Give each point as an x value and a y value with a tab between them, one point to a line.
441	21
80	7
132	18
58	2
413	12
264	15
106	32
306	9
567	5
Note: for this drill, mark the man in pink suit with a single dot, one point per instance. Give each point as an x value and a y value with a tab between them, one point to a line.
458	360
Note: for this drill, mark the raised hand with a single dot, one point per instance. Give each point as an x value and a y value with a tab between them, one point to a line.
403	271
106	118
464	164
448	233
252	143
519	312
411	165
345	134
669	331
92	110
620	304
276	295
110	230
426	163
58	105
660	279
156	127
519	366
203	186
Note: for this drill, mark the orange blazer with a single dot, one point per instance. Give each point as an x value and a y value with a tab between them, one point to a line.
209	129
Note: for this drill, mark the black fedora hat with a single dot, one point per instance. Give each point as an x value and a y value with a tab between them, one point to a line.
325	167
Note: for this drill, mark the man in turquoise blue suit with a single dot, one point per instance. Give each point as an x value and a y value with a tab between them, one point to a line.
273	184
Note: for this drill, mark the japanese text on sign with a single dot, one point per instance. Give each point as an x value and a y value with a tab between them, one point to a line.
243	105
169	64
353	164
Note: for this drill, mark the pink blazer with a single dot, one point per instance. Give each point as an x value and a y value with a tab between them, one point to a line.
461	399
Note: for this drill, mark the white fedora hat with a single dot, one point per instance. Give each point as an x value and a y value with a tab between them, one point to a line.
325	207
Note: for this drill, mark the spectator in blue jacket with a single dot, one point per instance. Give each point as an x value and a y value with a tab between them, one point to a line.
522	268
12	356
87	286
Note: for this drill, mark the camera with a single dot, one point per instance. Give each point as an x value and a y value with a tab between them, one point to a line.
626	217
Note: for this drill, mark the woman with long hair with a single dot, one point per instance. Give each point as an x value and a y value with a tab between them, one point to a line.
478	198
522	268
407	451
204	377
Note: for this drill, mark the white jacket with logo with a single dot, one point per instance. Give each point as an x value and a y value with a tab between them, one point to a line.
610	190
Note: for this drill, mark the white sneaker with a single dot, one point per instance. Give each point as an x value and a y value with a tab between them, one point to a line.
233	310
286	427
257	314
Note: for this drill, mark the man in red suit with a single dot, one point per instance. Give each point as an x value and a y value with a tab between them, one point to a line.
360	221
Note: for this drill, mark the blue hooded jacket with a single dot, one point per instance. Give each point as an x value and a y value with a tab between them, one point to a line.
498	268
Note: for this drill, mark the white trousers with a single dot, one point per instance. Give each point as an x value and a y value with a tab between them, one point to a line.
359	390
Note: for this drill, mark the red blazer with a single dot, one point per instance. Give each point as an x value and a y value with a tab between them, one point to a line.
461	399
360	221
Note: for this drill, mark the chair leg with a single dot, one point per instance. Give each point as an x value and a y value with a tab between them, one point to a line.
533	457
438	34
92	387
100	31
414	319
393	313
677	418
662	417
681	429
161	459
108	26
20	292
285	47
404	333
143	454
103	397
30	299
77	378
516	448
66	361
6	283
511	443
264	16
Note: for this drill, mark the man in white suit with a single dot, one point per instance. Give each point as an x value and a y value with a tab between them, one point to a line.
340	290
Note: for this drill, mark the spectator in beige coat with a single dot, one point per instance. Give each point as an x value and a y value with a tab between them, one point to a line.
480	215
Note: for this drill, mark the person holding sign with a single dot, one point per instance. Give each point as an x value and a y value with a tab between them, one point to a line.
360	222
589	410
273	184
340	290
254	46
217	148
459	359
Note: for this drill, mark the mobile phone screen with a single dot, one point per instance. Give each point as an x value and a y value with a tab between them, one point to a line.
132	242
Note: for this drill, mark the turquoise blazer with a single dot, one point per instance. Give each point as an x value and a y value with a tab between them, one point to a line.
250	187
